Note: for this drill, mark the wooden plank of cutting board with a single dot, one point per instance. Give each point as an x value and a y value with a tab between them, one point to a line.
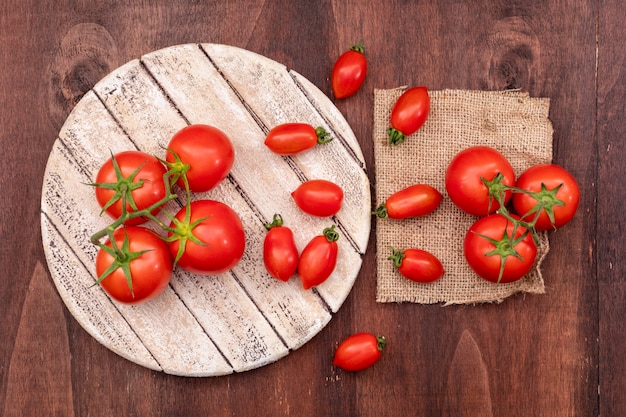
205	326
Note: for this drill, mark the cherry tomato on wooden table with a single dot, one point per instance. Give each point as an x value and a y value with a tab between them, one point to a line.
207	237
477	178
134	177
135	266
408	114
319	258
414	201
320	198
280	254
359	352
202	154
498	250
548	196
293	138
417	265
349	71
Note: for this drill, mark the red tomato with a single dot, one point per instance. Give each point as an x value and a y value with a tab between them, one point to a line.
318	198
208	240
134	176
414	201
497	250
293	138
477	177
147	258
359	352
408	114
280	254
417	265
318	258
550	199
201	153
349	72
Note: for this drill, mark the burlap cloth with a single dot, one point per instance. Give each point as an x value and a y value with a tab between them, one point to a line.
509	121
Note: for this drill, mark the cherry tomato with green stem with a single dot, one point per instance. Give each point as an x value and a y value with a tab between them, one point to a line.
408	114
133	177
293	138
280	254
546	196
320	198
359	351
319	258
478	180
349	71
134	266
417	265
200	156
499	250
414	201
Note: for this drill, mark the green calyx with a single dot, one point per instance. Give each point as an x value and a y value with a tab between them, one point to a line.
331	234
323	136
546	201
277	221
381	212
382	342
397	256
359	47
183	232
395	136
505	247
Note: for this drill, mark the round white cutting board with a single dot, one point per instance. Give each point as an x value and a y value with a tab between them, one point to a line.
236	321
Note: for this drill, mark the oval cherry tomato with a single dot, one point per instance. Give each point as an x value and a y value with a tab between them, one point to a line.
293	138
497	250
477	177
408	114
417	265
550	197
134	176
359	352
414	201
149	261
201	153
209	240
318	258
320	198
349	72
280	254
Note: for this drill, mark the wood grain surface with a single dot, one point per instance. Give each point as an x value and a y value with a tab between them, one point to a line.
556	354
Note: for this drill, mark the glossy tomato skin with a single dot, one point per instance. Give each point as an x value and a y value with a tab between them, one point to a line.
320	198
207	151
551	176
419	265
280	254
476	246
293	138
409	113
348	73
221	231
359	351
463	179
151	272
151	192
318	259
414	201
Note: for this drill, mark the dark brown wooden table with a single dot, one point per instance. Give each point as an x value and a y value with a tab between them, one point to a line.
558	354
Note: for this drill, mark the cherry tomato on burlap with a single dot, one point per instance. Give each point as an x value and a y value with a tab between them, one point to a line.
293	138
417	265
414	201
349	72
408	114
359	352
318	258
280	254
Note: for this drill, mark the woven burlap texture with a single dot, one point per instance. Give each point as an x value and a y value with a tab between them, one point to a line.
510	121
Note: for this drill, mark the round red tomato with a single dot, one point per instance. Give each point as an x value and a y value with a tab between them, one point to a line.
134	176
417	265
320	198
318	258
359	352
280	254
550	196
349	72
414	201
208	238
497	250
408	114
201	153
147	258
293	138
477	177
